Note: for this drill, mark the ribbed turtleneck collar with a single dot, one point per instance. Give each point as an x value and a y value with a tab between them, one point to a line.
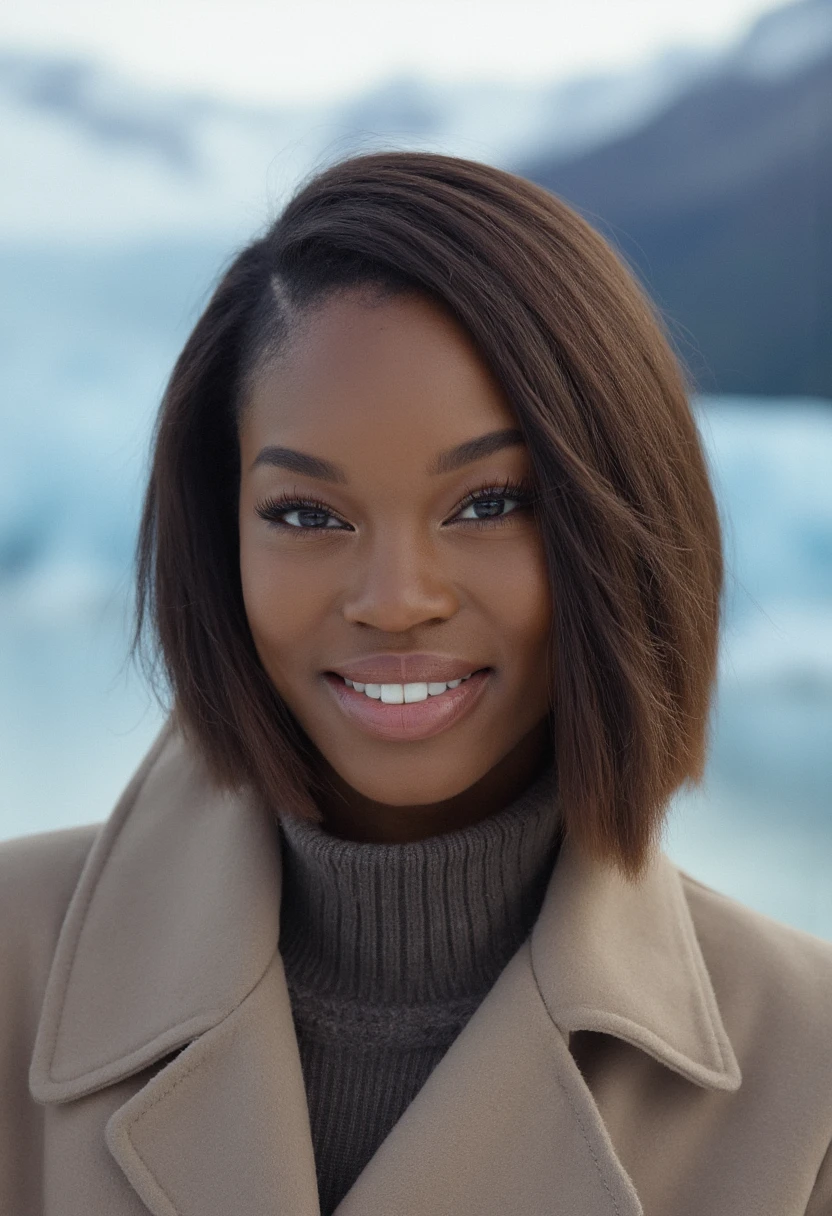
428	921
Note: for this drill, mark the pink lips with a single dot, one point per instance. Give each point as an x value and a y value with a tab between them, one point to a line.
413	720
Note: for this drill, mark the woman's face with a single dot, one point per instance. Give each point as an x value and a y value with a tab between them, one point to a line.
396	575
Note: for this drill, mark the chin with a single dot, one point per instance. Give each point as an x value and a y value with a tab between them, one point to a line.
416	781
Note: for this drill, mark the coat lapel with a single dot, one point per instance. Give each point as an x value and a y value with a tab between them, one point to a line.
504	1123
167	980
170	946
622	958
225	1127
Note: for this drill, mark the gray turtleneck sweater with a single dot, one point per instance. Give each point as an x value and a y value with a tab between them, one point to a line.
389	949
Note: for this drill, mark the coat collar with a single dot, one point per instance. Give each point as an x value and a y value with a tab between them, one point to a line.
170	942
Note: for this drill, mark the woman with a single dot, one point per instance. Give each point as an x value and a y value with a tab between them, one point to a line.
382	925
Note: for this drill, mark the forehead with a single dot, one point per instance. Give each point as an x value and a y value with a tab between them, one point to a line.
360	371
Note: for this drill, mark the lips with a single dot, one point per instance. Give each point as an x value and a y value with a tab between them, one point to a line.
406	669
412	721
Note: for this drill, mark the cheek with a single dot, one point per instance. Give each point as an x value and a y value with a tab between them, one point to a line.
520	598
282	596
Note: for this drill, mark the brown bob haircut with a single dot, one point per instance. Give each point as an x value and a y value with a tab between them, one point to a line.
623	498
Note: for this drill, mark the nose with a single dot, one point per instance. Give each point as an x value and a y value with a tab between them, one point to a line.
399	581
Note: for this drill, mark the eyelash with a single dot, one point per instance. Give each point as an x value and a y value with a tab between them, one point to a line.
281	504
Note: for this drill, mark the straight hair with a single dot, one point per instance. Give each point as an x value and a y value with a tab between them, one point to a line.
627	514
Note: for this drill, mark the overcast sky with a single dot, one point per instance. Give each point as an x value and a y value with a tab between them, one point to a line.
304	50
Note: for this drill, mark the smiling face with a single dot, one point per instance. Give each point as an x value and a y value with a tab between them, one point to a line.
391	557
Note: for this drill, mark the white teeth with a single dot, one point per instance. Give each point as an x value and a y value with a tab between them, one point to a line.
398	694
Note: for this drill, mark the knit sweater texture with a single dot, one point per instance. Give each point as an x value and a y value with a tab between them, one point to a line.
389	949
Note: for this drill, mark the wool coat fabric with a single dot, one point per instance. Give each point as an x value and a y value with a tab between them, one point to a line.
650	1048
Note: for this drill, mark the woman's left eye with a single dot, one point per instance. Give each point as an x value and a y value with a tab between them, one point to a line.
492	501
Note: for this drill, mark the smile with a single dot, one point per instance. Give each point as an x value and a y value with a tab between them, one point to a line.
399	712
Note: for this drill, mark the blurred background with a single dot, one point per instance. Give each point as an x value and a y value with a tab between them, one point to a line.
141	145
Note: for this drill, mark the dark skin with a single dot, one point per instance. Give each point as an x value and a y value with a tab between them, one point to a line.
380	386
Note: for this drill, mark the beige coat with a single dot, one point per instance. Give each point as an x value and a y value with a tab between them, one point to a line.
654	1048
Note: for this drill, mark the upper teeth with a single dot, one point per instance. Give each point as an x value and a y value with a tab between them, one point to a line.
397	694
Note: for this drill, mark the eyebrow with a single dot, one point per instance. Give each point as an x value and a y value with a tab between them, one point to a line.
446	462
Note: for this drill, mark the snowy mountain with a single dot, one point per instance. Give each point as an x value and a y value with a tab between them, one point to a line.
784	41
89	156
92	157
722	202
